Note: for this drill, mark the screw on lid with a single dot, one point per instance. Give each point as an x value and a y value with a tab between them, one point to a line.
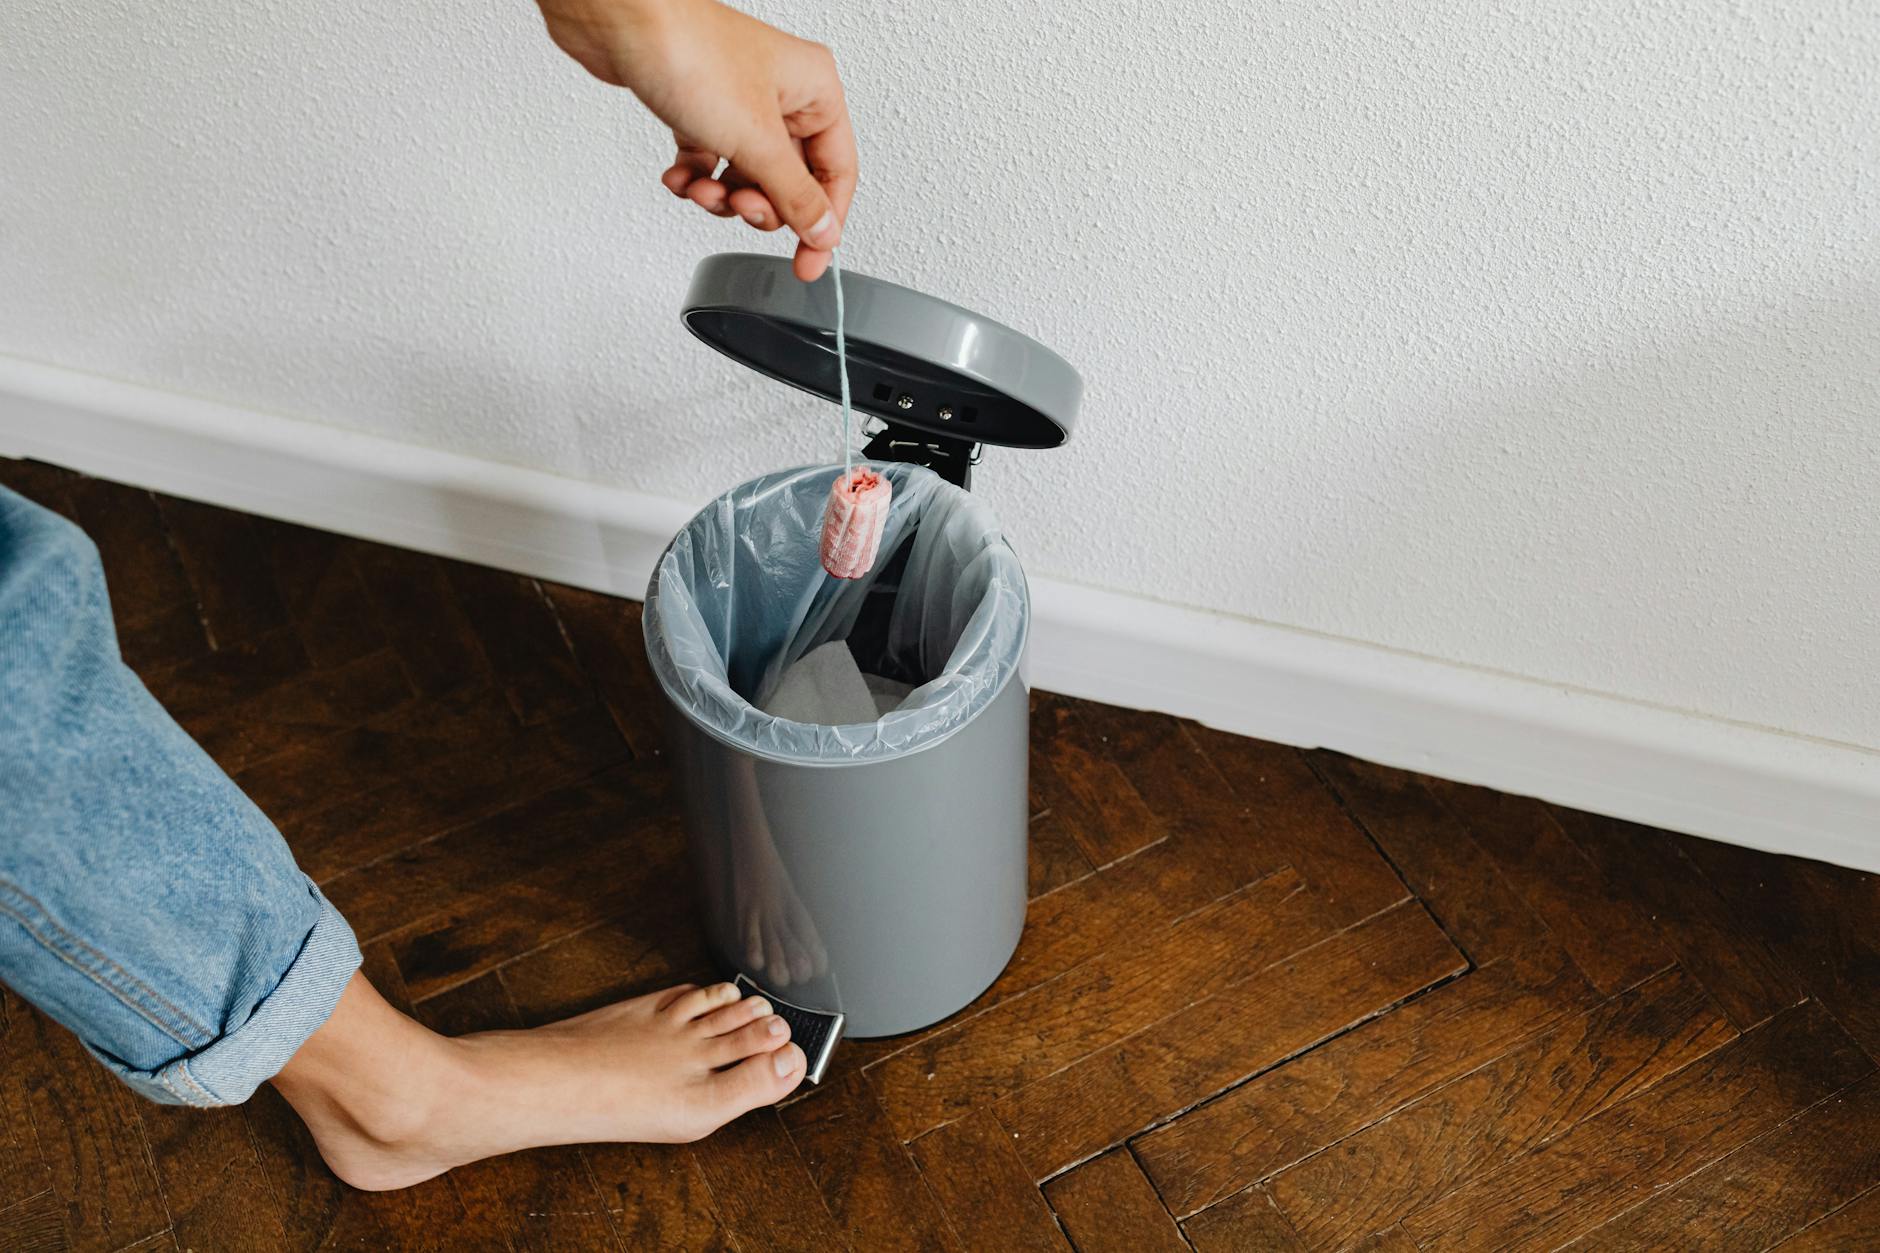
914	360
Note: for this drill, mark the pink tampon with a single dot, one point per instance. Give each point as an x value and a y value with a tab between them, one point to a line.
852	524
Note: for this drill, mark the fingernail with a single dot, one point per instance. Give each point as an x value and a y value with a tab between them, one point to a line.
823	234
785	1061
777	1026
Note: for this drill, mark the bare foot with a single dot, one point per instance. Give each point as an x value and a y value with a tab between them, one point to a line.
391	1103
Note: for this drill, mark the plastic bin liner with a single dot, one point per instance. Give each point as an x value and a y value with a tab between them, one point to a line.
741	593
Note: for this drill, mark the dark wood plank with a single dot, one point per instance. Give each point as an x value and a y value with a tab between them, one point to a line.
1055	855
438	793
23	1170
539	1199
1849	1229
1293	808
609	646
1772	1187
1258	1020
419	613
658	1197
44	484
89	1128
321	592
505	905
1817	918
865	1174
211	1179
529	913
1115	907
197	689
228	567
1211	828
317	703
293	786
642	951
761	1188
1390	1240
1243	1222
984	1190
1608	939
399	892
1621	1156
522	640
1317	1099
34	1225
1107	1204
1085	785
1490	1116
152	601
1456	881
1648	869
1107	999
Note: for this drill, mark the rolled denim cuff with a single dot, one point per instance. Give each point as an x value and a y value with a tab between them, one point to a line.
228	1071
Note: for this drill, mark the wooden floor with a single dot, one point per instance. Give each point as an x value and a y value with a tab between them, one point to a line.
1266	999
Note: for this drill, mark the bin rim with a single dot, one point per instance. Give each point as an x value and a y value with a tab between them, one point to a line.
678	706
815	763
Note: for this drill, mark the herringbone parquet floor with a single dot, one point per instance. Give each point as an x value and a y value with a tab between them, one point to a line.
1266	999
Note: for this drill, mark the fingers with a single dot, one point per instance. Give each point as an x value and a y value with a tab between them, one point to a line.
776	165
830	156
691	164
755	208
690	177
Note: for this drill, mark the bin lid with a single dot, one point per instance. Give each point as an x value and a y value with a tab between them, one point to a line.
914	360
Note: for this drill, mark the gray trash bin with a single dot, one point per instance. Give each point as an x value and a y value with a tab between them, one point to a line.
871	874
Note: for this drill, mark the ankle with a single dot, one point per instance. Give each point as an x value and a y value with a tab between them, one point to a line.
402	1100
374	1075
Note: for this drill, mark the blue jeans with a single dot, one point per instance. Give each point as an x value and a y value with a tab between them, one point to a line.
145	903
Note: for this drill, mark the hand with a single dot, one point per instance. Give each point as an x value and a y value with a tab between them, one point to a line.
729	86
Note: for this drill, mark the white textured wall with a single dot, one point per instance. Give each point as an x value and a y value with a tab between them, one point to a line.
1543	337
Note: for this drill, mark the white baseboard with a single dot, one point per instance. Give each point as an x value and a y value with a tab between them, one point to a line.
1746	785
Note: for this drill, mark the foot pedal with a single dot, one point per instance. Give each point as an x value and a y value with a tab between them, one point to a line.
811	1030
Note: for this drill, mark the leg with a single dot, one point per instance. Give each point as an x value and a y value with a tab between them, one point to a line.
150	908
391	1103
144	902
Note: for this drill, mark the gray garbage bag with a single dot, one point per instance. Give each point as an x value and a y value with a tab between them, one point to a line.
740	594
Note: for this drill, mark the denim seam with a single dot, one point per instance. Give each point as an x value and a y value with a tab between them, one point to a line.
133	992
182	1068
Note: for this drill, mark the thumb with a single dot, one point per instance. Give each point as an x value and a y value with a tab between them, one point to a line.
778	168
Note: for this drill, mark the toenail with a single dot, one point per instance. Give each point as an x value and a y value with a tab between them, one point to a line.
777	1026
759	1007
785	1062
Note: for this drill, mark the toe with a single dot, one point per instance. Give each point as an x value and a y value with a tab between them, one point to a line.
763	1036
735	1015
673	993
763	1079
701	1001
